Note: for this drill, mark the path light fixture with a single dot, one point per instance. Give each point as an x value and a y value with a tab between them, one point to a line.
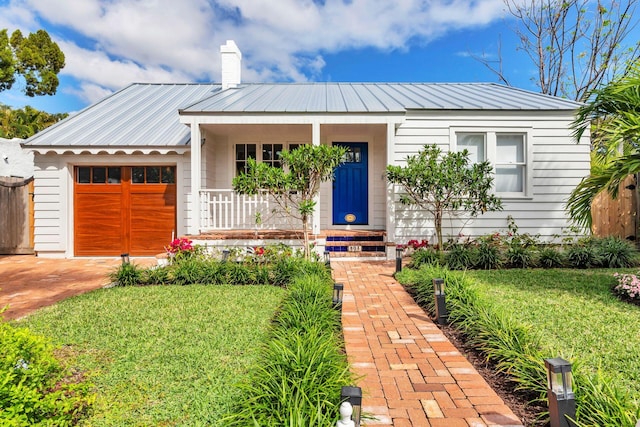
338	289
353	395
225	255
399	251
562	403
125	258
327	259
442	314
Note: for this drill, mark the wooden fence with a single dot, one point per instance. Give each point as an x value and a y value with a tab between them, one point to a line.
617	217
16	216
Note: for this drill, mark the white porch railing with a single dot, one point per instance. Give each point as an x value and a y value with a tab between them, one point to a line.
222	209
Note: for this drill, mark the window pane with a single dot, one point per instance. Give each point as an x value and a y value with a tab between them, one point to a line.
241	152
267	152
474	144
99	175
114	176
510	148
510	179
293	146
251	151
169	175
84	175
137	175
153	174
277	148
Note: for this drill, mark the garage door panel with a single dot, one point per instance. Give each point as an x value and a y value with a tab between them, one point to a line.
98	223
117	217
152	221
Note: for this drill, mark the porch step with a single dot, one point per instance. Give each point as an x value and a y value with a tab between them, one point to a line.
356	244
338	255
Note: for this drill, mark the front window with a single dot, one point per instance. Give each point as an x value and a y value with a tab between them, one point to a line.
265	153
244	152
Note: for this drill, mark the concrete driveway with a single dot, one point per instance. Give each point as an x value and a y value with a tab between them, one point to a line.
28	282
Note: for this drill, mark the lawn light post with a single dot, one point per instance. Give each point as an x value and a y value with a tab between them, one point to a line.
399	251
353	396
225	255
562	402
327	259
441	307
125	258
338	289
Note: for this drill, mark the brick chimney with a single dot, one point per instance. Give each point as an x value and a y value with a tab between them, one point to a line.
231	64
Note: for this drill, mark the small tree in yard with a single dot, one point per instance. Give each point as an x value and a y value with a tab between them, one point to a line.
295	185
445	184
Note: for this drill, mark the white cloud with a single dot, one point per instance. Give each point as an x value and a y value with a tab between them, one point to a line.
110	43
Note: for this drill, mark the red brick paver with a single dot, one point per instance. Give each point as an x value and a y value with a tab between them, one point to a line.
411	374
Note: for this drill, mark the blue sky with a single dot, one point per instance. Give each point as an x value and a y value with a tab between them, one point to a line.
111	43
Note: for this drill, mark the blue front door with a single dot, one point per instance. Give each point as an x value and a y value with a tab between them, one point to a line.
350	186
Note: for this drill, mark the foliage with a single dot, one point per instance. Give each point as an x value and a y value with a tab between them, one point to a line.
160	355
297	380
460	257
25	122
550	257
296	184
445	185
519	256
583	255
36	58
613	114
425	255
574	45
628	286
35	389
615	252
506	314
127	274
488	252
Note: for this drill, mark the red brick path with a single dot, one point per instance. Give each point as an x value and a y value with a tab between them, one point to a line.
411	374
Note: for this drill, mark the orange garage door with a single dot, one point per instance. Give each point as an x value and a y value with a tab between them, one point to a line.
123	209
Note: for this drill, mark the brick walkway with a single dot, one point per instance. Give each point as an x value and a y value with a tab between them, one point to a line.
412	376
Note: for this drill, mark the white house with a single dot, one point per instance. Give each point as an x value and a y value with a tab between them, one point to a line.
157	160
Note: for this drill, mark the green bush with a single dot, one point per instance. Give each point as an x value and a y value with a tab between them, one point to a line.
423	256
488	255
583	255
128	274
33	387
615	252
460	257
519	256
297	380
550	257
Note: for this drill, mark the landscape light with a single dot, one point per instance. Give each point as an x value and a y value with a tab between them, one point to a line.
441	306
399	251
125	258
338	289
353	395
562	404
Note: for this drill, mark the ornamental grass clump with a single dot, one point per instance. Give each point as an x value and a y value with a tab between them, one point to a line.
298	377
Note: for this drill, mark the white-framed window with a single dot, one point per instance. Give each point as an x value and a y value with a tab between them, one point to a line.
261	152
508	153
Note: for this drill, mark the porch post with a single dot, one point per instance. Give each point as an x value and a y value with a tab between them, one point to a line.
390	222
196	175
315	140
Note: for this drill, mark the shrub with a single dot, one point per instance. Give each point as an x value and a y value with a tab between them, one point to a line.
488	254
615	252
628	286
128	274
583	255
518	256
460	257
298	377
425	256
550	258
33	387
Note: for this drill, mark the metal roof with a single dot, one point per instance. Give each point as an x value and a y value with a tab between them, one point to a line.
373	98
138	115
147	115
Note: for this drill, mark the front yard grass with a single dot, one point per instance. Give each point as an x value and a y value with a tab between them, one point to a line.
575	313
162	355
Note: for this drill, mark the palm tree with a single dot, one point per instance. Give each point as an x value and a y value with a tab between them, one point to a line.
614	117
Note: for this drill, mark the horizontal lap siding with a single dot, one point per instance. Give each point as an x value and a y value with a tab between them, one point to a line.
558	164
49	205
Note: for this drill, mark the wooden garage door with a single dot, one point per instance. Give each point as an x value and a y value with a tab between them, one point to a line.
123	209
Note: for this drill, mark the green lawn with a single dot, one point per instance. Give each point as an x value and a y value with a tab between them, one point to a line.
575	311
162	355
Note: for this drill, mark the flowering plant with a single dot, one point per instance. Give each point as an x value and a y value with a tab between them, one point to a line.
415	244
179	246
628	285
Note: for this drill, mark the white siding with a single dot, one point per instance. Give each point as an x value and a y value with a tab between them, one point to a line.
556	167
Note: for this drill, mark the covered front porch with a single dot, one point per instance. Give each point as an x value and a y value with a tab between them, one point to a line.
359	198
